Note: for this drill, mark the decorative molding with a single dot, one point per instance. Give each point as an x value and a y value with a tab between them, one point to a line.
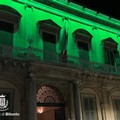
28	6
94	28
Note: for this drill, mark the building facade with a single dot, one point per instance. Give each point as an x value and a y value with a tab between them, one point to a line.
58	61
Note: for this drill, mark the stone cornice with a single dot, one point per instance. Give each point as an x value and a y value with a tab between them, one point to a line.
76	10
83	13
71	75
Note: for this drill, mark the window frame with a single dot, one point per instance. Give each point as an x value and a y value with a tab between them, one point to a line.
48	28
93	96
113	104
82	41
10	16
109	45
12	19
83	50
15	27
111	60
49	32
83	36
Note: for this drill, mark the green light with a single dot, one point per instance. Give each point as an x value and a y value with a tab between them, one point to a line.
33	11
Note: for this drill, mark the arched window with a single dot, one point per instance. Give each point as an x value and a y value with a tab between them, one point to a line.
110	51
83	41
49	95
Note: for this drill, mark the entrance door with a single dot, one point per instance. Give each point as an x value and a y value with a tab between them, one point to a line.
60	114
50	104
50	113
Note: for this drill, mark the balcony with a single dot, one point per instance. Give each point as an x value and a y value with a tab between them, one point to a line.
32	54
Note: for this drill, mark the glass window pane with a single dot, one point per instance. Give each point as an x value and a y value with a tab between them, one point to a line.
89	108
48	37
92	116
91	104
86	105
116	105
117	115
83	45
87	116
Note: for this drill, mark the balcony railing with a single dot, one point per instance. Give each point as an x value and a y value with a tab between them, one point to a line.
32	54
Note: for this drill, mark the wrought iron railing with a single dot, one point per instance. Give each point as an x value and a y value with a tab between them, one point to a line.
32	54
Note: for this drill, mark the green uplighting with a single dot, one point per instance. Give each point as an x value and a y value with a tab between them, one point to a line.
76	17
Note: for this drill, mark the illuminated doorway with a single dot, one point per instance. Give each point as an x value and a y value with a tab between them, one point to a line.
50	104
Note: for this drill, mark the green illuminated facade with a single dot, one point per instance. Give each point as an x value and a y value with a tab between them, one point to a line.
66	54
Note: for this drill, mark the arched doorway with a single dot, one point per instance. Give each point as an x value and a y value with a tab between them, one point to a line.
50	104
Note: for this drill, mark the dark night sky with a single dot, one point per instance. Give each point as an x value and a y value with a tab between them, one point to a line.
107	7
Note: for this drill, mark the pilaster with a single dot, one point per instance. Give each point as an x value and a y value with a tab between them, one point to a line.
77	100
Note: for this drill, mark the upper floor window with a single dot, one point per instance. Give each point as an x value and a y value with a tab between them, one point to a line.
9	19
49	32
6	26
83	41
6	33
110	51
89	107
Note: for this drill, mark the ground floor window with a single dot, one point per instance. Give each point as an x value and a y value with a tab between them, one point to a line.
116	104
89	107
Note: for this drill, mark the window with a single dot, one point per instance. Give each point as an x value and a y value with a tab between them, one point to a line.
9	19
89	108
110	54
5	26
49	37
83	45
6	33
83	41
49	28
110	51
116	104
49	32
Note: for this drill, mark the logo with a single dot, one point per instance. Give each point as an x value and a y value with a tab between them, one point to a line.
3	103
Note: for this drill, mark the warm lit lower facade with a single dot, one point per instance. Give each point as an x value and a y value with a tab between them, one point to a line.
58	61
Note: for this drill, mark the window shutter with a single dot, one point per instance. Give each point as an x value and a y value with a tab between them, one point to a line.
117	59
84	55
105	56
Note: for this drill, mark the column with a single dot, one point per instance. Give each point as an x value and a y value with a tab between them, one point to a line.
103	111
24	106
77	102
72	107
104	102
31	96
